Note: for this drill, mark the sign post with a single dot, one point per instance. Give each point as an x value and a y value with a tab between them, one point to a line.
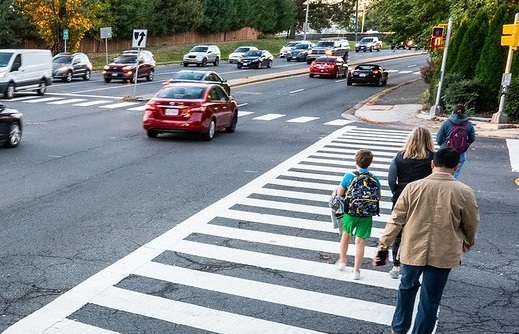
510	39
436	109
138	41
65	38
106	33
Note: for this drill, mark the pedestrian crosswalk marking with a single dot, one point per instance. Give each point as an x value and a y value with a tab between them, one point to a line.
267	201
244	113
269	117
71	326
68	101
118	105
43	100
92	103
339	122
303	119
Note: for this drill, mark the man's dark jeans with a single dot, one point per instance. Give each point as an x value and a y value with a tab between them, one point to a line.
433	283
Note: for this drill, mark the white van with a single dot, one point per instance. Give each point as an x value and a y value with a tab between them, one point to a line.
24	70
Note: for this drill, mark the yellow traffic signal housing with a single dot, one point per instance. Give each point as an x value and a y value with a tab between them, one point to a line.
438	32
511	38
437	37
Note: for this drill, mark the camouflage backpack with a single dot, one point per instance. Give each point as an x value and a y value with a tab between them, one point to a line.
362	199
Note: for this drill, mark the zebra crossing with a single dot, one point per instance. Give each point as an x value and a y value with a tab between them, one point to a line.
260	260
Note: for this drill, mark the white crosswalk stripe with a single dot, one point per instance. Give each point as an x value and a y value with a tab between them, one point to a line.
291	196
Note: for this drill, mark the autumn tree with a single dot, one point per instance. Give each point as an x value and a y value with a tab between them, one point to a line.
51	17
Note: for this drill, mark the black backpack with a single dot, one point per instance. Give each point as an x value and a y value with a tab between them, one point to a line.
362	199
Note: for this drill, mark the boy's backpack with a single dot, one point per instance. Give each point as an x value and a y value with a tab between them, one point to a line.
458	137
362	198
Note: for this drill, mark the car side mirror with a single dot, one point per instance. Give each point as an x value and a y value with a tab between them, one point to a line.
209	51
2	106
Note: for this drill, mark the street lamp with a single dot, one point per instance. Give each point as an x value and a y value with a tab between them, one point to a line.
305	25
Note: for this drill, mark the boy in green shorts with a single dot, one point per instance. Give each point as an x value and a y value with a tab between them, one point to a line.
362	192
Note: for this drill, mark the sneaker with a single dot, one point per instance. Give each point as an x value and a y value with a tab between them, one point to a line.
340	265
355	275
394	273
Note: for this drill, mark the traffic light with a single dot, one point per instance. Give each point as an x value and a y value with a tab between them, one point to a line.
437	37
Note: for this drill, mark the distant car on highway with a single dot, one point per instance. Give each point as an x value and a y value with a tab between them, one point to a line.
256	59
210	77
329	47
368	74
299	52
10	126
190	107
66	66
123	67
239	52
408	44
287	47
329	66
201	55
368	44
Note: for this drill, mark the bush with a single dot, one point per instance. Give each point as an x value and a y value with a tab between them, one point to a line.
512	102
467	92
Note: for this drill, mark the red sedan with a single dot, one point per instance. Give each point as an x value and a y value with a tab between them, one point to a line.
329	66
190	107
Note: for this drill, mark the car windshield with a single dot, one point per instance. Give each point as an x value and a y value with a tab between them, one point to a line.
366	67
253	53
4	58
199	49
241	50
62	59
324	44
325	60
126	59
188	76
181	93
367	40
291	44
301	46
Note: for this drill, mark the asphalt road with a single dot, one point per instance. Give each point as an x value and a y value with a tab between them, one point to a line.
87	188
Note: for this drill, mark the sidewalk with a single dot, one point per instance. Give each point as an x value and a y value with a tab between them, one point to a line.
400	106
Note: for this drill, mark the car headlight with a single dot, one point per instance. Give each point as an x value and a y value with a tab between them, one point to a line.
357	45
106	67
2	74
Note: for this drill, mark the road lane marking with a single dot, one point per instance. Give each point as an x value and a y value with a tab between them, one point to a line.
513	153
118	105
303	119
244	113
46	99
92	103
268	117
296	91
339	122
69	101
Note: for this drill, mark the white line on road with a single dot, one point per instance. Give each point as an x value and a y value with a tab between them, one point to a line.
269	117
513	152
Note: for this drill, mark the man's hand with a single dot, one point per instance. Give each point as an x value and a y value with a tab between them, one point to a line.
465	247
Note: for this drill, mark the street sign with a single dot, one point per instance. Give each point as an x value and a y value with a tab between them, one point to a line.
510	35
106	32
139	38
506	79
65	34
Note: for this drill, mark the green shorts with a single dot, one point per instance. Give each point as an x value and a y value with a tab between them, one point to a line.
357	226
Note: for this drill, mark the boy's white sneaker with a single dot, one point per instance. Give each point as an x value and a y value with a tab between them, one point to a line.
355	275
340	265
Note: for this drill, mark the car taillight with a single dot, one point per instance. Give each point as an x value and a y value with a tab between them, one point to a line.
375	72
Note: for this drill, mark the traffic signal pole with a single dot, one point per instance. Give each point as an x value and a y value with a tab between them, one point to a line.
437	109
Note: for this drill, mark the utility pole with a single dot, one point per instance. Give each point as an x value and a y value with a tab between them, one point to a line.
437	109
356	19
305	26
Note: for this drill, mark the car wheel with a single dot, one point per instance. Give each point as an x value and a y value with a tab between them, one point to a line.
336	76
311	75
42	89
15	135
239	66
370	49
210	130
231	128
185	64
107	80
269	64
378	82
384	82
9	91
308	61
216	61
132	80
68	77
87	75
204	62
289	59
150	76
152	133
349	82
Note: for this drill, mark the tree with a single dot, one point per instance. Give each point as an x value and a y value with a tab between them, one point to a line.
13	27
51	17
219	16
492	59
174	16
455	42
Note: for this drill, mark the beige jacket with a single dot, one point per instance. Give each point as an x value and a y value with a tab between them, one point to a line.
436	215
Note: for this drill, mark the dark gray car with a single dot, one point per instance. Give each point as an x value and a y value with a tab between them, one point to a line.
66	66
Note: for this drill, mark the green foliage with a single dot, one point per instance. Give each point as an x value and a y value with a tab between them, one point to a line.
471	45
219	16
176	16
454	44
11	24
492	60
468	92
512	101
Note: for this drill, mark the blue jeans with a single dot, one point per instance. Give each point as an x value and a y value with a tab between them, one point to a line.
463	157
433	283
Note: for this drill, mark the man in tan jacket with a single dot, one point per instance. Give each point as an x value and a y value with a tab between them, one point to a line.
438	217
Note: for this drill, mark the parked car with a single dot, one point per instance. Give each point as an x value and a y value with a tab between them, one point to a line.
408	44
66	66
329	47
190	107
256	59
299	52
25	70
329	66
367	74
10	126
200	55
287	47
210	77
124	67
239	52
368	44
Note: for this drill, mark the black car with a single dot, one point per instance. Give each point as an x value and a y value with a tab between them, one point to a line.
66	66
10	126
256	59
367	74
201	76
